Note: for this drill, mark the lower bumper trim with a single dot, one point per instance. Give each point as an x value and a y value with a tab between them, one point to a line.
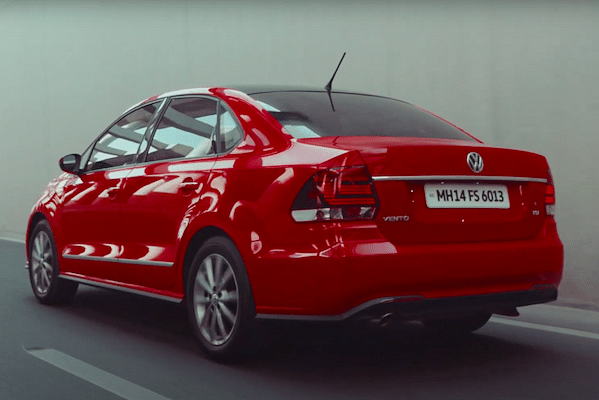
419	308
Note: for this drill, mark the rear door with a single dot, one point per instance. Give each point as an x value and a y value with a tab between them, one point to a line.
167	187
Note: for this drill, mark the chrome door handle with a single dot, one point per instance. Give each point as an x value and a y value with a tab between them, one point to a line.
189	185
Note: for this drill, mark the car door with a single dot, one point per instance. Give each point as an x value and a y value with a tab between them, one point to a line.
164	190
91	221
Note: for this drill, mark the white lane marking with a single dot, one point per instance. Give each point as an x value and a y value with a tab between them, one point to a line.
12	240
107	381
554	329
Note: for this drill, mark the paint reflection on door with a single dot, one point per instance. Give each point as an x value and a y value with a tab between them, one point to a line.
166	188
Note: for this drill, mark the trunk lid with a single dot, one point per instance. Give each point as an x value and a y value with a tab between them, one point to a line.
406	170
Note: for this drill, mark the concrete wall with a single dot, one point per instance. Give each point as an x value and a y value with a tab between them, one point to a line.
521	74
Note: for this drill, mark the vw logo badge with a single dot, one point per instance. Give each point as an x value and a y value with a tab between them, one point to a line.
475	162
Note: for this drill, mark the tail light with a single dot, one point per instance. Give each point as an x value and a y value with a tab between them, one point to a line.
549	195
342	193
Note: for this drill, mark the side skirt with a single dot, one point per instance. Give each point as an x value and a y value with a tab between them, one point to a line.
123	287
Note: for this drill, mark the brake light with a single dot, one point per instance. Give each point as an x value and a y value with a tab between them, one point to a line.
342	193
549	195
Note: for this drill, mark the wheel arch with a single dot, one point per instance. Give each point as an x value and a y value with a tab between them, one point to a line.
195	243
35	219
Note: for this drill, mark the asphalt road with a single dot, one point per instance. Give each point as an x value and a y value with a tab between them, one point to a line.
111	345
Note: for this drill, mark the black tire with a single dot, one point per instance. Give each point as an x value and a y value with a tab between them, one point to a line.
457	326
219	300
47	287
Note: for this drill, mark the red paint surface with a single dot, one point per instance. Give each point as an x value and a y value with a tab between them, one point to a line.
317	268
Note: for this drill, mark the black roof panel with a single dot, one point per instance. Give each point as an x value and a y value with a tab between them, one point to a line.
255	89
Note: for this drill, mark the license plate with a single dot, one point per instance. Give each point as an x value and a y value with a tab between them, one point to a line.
466	196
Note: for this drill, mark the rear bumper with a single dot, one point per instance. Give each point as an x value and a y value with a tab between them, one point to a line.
417	307
354	268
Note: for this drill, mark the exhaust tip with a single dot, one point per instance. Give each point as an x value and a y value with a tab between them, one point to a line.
509	312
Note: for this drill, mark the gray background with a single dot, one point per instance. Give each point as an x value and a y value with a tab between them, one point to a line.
521	74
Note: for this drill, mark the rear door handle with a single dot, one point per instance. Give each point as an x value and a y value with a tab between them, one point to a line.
189	185
113	191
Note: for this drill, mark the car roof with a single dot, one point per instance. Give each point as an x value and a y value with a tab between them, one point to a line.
249	90
256	89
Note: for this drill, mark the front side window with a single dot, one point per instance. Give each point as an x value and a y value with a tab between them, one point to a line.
187	129
118	145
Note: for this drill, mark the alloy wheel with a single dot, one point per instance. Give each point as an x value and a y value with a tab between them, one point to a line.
42	259
216	299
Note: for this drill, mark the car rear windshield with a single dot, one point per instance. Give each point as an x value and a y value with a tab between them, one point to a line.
306	114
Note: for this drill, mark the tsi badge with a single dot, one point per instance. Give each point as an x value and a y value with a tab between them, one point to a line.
396	218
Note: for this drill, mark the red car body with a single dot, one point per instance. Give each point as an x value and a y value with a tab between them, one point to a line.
133	227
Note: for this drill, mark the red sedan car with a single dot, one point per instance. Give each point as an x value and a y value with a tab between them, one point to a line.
297	203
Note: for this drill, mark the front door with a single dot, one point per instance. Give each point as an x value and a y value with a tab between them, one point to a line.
91	214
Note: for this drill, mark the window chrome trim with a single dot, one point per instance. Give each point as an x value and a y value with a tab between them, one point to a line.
174	160
457	178
120	288
120	260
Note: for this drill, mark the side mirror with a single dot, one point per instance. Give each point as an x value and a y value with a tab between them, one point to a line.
70	163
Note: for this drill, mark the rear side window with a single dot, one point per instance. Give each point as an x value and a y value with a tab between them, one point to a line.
187	129
311	114
230	132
